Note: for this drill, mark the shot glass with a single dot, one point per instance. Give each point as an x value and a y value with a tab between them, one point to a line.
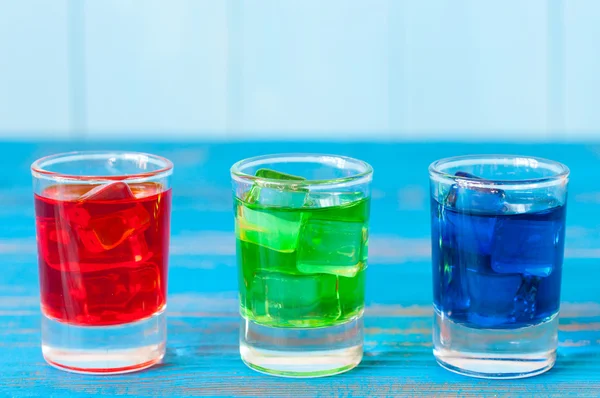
497	234
102	223
301	224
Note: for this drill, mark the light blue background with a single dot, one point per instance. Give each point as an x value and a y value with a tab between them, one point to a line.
266	69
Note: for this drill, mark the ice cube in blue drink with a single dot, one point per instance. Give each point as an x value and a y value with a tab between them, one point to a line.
473	222
471	196
519	202
525	246
471	233
492	301
524	302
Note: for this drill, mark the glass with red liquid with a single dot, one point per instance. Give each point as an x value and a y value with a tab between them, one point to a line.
102	223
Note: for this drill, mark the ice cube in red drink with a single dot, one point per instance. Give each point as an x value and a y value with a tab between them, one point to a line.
107	231
111	191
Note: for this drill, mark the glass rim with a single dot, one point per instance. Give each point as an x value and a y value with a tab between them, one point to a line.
562	171
326	159
39	167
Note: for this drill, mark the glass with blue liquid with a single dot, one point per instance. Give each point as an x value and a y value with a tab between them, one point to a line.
497	233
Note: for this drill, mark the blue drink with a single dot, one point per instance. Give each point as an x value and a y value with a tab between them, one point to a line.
497	233
497	270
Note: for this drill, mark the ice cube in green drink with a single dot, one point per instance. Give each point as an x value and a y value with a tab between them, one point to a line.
290	196
331	247
277	175
332	199
274	230
277	229
280	299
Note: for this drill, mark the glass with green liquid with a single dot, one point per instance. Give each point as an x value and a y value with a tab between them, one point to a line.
301	224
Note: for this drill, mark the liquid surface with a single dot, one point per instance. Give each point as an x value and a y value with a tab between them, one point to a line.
497	270
103	252
302	267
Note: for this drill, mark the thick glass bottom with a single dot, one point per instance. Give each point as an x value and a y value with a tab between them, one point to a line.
495	353
302	352
104	349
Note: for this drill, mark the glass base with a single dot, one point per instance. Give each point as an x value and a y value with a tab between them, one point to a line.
104	349
295	352
495	353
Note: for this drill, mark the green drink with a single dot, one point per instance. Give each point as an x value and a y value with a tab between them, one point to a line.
302	267
302	259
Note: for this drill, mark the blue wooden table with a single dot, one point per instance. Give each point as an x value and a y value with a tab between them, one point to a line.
202	356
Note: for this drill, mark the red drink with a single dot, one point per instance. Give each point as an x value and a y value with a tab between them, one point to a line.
103	252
